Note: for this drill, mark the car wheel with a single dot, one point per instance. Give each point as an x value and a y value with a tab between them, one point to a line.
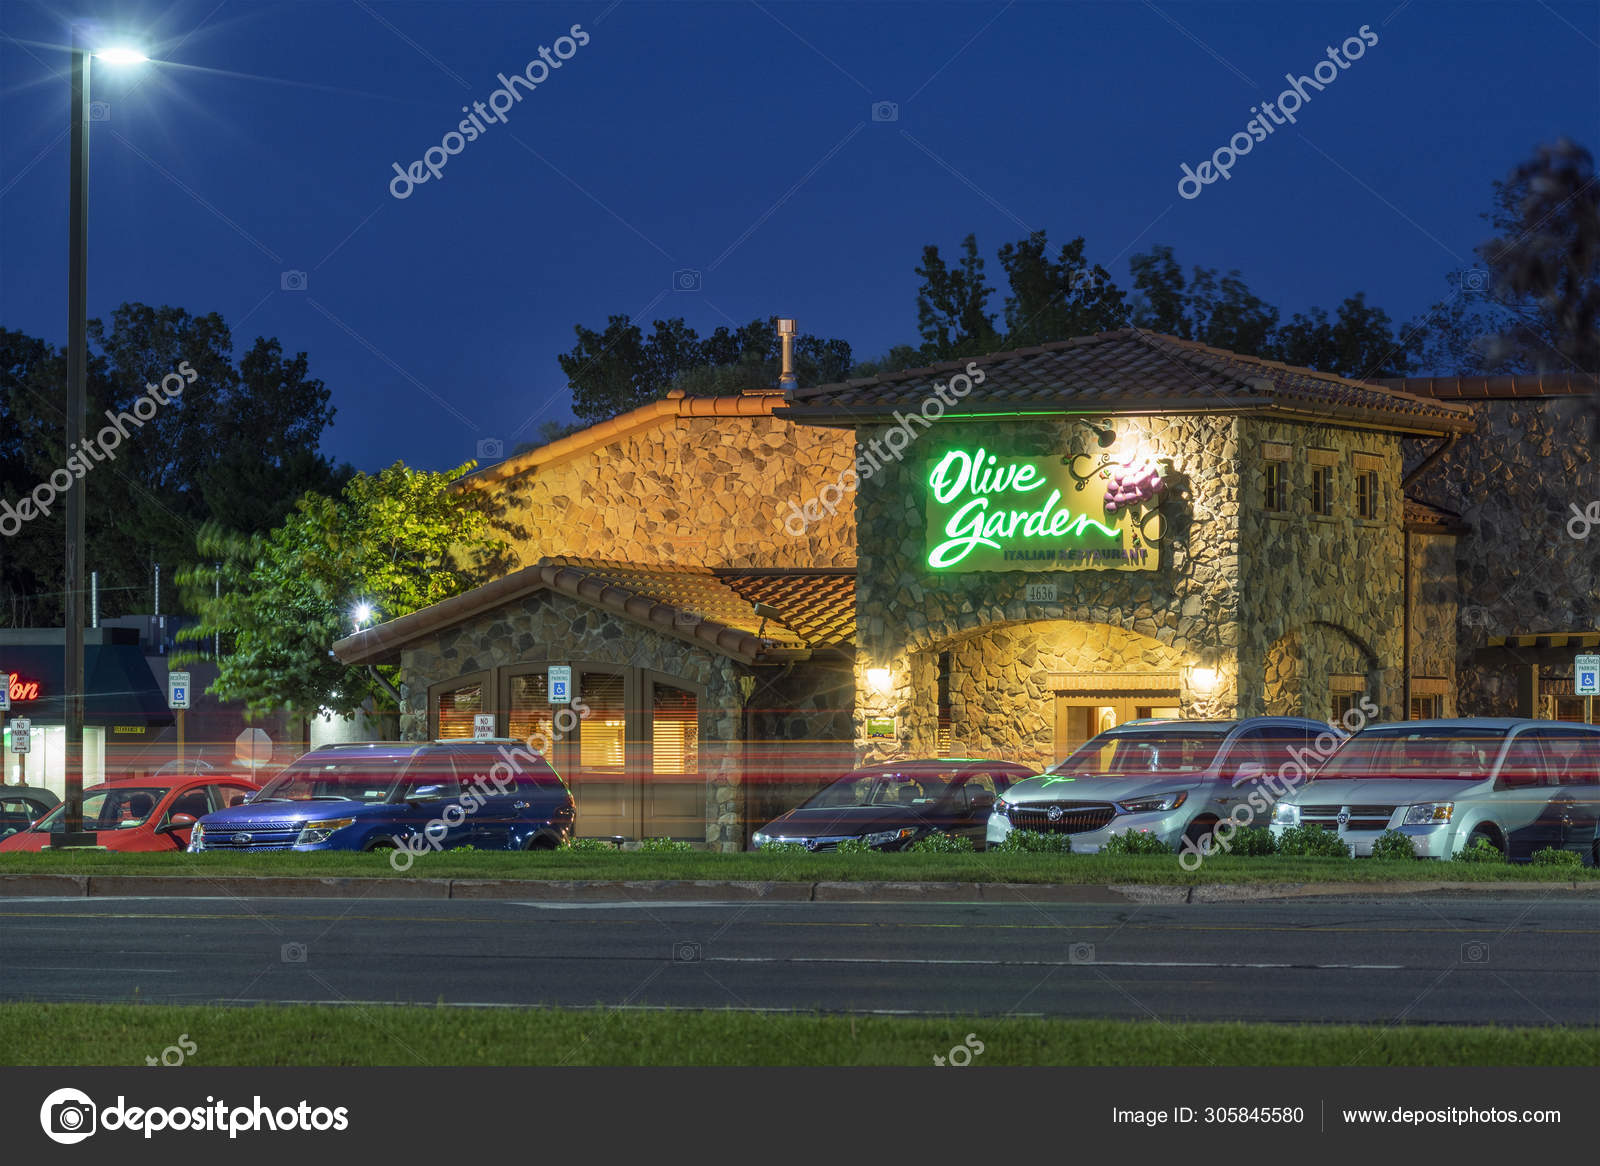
1487	835
1198	835
382	844
540	842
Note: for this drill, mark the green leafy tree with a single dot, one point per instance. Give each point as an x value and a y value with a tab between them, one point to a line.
398	540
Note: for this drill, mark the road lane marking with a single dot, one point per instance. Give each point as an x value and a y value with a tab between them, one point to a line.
1098	963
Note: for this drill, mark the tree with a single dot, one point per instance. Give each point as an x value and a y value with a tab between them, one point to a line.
1056	301
1359	343
1222	311
234	445
951	304
619	369
1534	305
398	540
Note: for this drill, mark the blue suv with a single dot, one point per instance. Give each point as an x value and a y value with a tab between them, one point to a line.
490	795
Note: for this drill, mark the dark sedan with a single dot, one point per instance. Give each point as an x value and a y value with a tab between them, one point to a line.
21	805
892	805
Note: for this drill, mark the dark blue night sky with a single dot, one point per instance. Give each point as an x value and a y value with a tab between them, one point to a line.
737	140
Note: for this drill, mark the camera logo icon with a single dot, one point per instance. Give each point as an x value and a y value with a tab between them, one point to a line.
68	1116
99	111
293	953
1473	279
685	953
1080	953
885	111
1475	953
687	279
1475	616
292	281
491	449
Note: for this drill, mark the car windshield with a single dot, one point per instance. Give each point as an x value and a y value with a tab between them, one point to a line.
120	808
334	779
878	787
1463	754
1132	753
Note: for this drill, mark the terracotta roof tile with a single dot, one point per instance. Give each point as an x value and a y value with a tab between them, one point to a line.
1126	371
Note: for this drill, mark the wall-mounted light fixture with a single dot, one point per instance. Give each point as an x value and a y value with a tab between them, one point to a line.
1105	434
878	678
1203	679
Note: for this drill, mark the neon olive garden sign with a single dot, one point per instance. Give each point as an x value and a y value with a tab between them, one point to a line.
989	513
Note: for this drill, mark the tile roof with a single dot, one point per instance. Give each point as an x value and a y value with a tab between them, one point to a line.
1130	371
712	607
1496	388
1430	519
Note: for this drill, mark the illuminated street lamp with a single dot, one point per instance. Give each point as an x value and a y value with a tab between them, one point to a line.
77	366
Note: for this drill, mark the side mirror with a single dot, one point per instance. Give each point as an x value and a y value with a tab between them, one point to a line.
1249	771
426	793
178	822
982	803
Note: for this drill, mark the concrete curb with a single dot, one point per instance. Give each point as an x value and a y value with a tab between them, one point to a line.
13	886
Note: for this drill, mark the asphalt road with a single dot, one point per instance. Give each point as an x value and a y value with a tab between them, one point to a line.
1531	959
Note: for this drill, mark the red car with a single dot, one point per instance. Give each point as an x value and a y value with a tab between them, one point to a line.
153	813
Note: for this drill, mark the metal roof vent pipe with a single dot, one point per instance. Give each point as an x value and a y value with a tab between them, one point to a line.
786	378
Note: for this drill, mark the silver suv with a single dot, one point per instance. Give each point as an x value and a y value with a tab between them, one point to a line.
1172	779
1523	785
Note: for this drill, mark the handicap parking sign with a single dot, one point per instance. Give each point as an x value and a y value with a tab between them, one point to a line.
1586	676
561	684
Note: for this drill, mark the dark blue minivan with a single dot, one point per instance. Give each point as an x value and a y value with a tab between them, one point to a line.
406	796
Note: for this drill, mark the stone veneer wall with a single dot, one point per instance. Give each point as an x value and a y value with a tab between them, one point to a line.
1001	703
550	626
1434	612
1322	594
710	491
1515	480
905	612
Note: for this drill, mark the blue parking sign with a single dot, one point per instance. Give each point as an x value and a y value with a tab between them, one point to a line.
1586	676
560	684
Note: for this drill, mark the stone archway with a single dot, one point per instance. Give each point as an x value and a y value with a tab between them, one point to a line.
1308	667
1006	684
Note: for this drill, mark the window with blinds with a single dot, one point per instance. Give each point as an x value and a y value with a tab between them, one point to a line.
531	715
602	734
675	731
457	708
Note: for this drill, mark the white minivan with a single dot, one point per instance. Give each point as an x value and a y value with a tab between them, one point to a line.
1523	785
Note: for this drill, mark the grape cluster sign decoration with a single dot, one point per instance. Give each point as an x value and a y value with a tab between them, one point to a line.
991	513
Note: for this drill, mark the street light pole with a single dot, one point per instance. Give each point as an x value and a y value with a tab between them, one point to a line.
77	372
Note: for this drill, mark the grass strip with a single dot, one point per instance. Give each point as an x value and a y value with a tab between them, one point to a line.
302	1035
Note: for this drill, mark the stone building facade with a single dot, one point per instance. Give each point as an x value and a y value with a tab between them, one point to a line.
757	592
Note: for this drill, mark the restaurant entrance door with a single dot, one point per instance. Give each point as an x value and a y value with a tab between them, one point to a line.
1081	713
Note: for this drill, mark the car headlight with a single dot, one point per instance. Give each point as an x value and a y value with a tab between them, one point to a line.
1001	806
313	832
1156	804
1285	814
197	838
1429	812
884	837
760	839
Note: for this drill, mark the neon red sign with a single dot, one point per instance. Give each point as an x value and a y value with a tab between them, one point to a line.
23	689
